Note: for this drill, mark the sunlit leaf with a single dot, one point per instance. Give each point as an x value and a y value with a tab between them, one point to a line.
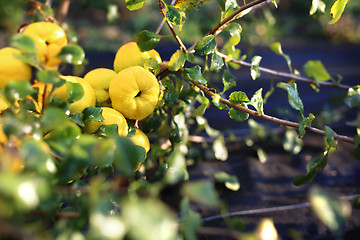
72	54
228	79
50	77
147	40
216	63
206	46
220	150
176	170
317	5
230	181
313	167
194	74
329	137
201	191
262	155
16	90
316	70
177	60
276	48
189	5
216	101
337	9
292	143
293	96
238	97
134	4
174	15
112	13
93	114
238	115
352	98
254	70
74	91
23	42
304	123
234	29
257	102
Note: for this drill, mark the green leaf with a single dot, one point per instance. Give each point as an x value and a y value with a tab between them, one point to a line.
171	96
190	221
77	118
194	74
188	5
177	61
127	155
50	77
112	13
174	15
352	98
231	181
176	170
316	70
220	150
216	63
234	29
329	137
103	153
238	115
200	191
292	143
254	70
134	4
30	58
262	155
331	210
257	102
293	96
276	48
228	79
72	54
238	97
110	131
206	46
52	117
314	166
93	114
305	122
317	5
23	42
337	9
217	103
74	91
147	40
16	90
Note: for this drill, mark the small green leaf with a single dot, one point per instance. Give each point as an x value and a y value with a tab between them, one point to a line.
16	90
262	155
175	16
52	117
257	102
216	63
254	70
77	118
103	153
188	5
317	5
176	170
93	114
147	40
276	48
228	79
72	54
50	77
171	96
23	42
74	91
231	181
293	96
234	29
238	97
329	137
112	13
134	4
110	131
217	103
190	221
194	74
305	122
206	46
316	70
352	98
314	166
238	115
292	143
30	58
337	9
220	150
201	191
177	61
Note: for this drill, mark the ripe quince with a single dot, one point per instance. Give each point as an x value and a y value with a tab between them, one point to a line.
134	92
49	39
99	79
129	55
12	68
87	100
111	116
140	139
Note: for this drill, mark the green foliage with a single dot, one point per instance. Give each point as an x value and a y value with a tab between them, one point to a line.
72	54
293	96
134	4
313	167
337	9
147	40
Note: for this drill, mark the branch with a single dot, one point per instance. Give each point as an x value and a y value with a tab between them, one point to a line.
281	122
62	11
177	38
286	75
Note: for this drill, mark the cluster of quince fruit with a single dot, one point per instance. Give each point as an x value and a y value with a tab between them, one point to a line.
128	92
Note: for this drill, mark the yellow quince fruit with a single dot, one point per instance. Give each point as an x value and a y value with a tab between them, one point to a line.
111	116
129	55
49	39
99	79
87	100
140	139
134	92
11	68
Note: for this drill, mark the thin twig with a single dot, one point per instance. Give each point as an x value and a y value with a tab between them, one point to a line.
62	11
286	75
163	20
177	38
281	122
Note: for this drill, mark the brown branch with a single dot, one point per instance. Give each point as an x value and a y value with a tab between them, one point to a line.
177	38
281	122
286	75
62	11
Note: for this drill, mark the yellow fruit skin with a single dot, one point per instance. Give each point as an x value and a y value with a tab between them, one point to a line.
134	92
49	39
86	101
12	68
130	55
111	116
99	79
140	139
